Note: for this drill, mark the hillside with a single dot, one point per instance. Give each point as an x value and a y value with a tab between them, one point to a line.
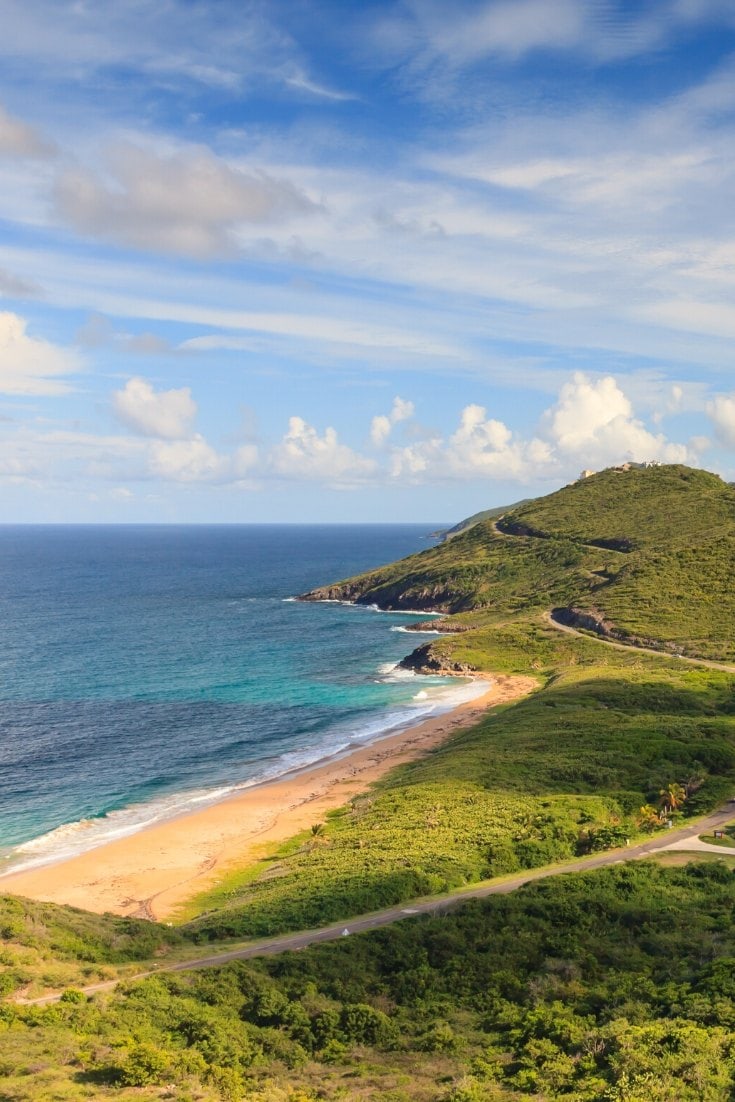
610	985
645	556
476	518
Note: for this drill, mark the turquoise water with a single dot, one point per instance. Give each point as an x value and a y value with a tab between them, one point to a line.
147	670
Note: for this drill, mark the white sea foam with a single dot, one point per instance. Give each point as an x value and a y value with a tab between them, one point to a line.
414	631
71	839
391	671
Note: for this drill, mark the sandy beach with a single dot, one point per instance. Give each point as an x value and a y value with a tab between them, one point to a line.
151	873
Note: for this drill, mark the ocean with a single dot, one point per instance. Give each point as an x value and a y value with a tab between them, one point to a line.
148	670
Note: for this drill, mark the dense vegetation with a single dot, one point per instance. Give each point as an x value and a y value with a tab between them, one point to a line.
614	986
559	774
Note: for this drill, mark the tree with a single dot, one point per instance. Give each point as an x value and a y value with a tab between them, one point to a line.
672	797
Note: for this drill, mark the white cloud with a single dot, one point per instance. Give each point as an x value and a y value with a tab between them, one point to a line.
186	460
593	421
480	447
167	414
296	78
195	460
381	426
483	446
591	425
304	454
30	365
190	202
18	139
722	413
511	28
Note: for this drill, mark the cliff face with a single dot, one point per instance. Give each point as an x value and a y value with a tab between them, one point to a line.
370	591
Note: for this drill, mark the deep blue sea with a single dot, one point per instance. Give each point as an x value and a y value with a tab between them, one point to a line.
146	670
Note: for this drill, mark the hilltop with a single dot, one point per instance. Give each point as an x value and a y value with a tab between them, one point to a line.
642	555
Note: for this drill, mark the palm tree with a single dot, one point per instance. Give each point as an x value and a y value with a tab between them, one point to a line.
672	797
318	837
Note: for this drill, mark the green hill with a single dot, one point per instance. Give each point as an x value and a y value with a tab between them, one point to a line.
476	518
618	984
643	555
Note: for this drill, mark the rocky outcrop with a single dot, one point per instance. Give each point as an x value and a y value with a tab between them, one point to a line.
342	591
425	660
593	620
446	627
400	596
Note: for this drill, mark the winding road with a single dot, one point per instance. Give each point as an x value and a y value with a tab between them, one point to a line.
672	840
710	665
685	838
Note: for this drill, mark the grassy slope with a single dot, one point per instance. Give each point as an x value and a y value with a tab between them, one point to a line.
534	782
594	987
671	583
484	514
49	947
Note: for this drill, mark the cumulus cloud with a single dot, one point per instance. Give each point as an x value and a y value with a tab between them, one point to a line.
593	420
381	426
304	454
30	365
722	413
190	203
480	447
167	414
18	139
186	460
592	424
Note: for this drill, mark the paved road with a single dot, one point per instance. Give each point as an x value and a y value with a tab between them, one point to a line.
439	905
672	840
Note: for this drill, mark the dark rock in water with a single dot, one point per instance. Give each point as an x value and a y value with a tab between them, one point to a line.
424	660
446	627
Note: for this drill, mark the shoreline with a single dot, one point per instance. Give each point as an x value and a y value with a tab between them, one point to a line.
151	873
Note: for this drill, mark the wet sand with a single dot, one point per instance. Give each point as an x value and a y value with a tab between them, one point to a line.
151	873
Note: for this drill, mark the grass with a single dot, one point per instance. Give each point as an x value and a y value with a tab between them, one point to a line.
45	946
616	985
728	842
543	780
651	552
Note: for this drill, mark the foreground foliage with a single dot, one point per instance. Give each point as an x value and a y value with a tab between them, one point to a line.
615	985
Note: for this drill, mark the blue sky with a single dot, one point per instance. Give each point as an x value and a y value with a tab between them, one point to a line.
333	261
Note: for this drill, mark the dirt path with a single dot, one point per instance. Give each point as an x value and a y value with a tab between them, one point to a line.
672	840
549	618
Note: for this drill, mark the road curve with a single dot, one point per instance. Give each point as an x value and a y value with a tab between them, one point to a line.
438	905
710	665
